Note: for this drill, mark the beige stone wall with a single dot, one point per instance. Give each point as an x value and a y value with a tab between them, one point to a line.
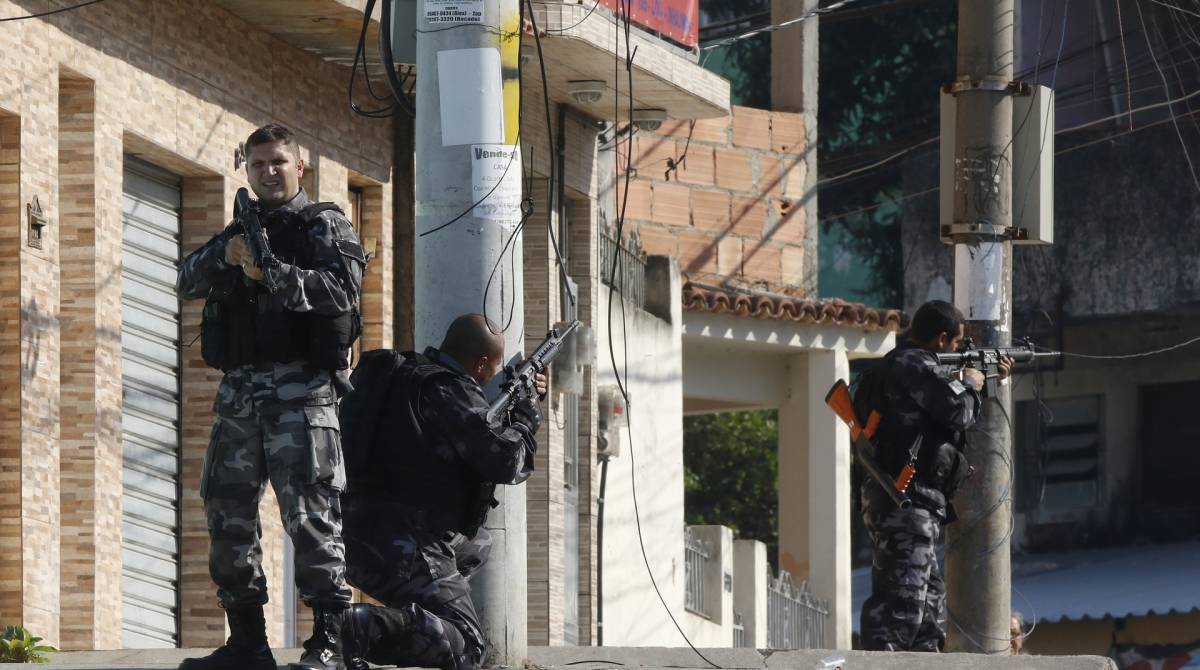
178	84
724	197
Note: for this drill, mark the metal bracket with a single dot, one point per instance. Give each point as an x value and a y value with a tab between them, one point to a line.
995	85
985	229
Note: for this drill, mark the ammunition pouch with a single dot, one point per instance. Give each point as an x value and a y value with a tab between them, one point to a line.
245	324
948	470
228	326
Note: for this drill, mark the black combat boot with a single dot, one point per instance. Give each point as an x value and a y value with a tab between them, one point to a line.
246	648
357	636
323	651
379	634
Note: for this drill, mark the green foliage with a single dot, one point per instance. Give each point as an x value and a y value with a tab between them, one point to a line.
746	63
18	645
730	471
879	80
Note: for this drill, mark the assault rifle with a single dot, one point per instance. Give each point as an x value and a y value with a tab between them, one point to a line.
256	239
518	381
987	361
862	440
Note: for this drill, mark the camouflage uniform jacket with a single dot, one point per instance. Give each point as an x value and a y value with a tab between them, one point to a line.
330	287
921	401
441	459
454	412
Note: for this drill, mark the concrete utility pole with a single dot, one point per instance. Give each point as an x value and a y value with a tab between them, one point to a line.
978	568
468	167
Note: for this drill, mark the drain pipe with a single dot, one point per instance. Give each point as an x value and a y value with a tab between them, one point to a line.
600	553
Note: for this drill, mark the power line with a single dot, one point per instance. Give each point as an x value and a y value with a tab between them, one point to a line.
1178	9
890	201
778	26
52	11
878	163
573	25
1060	95
1121	357
1167	92
621	383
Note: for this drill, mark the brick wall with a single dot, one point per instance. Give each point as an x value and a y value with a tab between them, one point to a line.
729	202
178	84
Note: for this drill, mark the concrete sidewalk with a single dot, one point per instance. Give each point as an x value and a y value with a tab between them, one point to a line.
649	658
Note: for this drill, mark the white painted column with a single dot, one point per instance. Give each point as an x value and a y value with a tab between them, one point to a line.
814	488
750	574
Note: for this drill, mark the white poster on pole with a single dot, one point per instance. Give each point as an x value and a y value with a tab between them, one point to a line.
471	93
496	183
454	11
978	275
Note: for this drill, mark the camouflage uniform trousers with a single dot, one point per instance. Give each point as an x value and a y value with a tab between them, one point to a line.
423	583
906	609
277	422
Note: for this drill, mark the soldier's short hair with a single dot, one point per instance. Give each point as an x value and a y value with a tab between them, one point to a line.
934	318
272	132
472	336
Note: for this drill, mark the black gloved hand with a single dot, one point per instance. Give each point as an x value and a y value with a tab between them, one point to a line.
528	413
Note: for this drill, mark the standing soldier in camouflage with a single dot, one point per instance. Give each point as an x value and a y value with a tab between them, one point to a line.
414	525
906	609
284	355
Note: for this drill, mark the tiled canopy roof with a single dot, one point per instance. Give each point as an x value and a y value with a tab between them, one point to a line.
834	312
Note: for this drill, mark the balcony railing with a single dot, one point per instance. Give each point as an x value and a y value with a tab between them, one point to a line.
795	618
631	269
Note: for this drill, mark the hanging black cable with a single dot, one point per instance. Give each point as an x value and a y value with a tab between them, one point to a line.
389	60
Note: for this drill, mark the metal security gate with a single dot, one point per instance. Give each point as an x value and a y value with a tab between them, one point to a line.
150	359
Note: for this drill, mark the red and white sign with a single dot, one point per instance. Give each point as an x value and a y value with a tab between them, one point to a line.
678	20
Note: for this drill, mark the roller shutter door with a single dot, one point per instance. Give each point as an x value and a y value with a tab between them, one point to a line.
150	357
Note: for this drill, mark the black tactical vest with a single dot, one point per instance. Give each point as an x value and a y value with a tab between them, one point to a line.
407	464
242	325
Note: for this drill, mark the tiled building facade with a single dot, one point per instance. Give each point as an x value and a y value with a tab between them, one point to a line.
82	93
178	85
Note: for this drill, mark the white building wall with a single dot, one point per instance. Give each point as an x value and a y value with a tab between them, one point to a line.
651	456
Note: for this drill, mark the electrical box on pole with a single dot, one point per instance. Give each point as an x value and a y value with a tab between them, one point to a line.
404	30
1032	158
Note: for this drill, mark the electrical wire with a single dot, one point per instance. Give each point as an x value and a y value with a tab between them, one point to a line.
1059	99
360	54
527	206
1167	93
777	26
512	158
389	61
621	382
890	201
555	154
1178	9
50	12
577	23
1062	39
674	162
1125	57
1122	357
